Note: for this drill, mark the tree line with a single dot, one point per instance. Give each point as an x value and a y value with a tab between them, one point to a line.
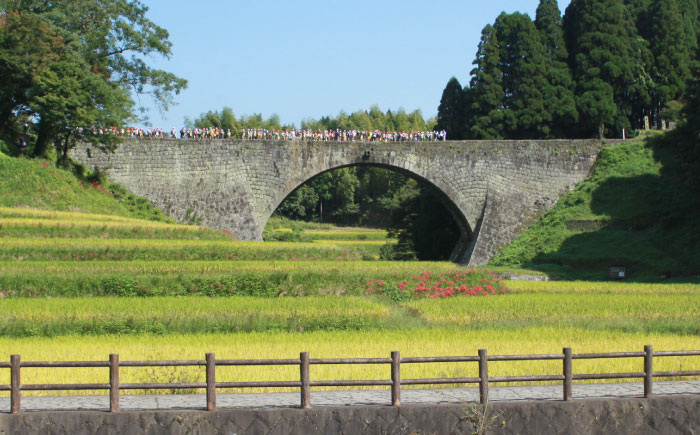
601	68
373	119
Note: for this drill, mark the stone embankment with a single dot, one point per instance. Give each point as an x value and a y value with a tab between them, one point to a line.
512	410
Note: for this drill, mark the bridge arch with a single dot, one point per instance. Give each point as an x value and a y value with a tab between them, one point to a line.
465	228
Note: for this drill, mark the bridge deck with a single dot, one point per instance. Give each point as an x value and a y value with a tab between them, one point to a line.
354	398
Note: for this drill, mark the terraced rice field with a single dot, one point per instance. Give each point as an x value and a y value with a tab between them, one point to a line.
79	287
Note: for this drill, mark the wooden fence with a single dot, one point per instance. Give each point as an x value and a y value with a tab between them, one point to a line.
305	383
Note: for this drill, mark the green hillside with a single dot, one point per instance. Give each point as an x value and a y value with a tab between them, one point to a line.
40	184
636	210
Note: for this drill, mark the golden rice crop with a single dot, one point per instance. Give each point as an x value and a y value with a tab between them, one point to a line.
46	310
344	344
560	308
602	287
95	223
72	243
55	214
325	242
353	231
177	267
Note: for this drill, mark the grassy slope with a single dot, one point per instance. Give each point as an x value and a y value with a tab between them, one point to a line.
39	184
633	211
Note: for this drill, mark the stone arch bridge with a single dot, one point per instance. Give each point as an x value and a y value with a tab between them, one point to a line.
493	189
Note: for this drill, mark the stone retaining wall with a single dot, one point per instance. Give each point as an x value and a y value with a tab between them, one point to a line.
667	416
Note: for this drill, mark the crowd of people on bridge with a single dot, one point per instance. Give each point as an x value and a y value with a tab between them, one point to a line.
343	135
265	134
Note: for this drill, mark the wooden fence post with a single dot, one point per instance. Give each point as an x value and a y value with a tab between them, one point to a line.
483	376
15	384
568	376
648	371
113	382
305	380
211	382
396	378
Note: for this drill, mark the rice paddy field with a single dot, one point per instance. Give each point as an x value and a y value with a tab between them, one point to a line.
76	286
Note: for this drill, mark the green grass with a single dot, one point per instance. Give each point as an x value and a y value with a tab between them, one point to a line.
353	234
278	222
206	278
632	212
39	184
42	249
283	229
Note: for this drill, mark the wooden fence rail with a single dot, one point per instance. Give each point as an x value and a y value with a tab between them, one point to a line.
305	383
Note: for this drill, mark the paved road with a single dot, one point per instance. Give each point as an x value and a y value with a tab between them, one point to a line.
353	398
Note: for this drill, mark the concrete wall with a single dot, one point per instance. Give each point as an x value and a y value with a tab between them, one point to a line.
492	188
667	416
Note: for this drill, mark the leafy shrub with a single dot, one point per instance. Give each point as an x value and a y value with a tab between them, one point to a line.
139	206
285	236
124	287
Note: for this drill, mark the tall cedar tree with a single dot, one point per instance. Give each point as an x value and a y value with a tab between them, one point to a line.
559	94
523	64
450	116
638	9
486	93
672	50
689	149
606	56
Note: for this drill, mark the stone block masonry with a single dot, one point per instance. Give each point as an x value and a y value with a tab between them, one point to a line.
664	415
493	189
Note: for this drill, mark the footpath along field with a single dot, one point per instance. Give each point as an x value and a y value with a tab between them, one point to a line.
81	286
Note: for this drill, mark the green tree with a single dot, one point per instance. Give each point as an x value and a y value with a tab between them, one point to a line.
89	53
208	120
671	47
523	66
342	121
639	11
607	56
27	48
558	93
228	119
418	123
68	95
486	94
360	120
225	120
689	148
451	116
300	204
402	121
252	121
378	118
424	228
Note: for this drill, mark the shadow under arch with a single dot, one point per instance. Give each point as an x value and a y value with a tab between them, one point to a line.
463	247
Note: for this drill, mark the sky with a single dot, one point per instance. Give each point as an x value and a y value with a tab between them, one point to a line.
311	58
